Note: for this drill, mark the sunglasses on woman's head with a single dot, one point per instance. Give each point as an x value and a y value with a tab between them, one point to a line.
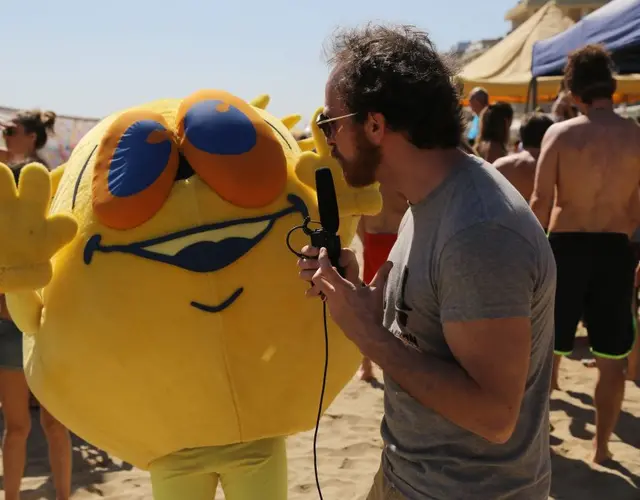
326	124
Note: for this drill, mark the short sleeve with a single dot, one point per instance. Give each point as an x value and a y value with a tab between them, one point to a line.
487	271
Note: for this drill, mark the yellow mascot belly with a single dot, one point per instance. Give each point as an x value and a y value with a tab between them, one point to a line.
174	319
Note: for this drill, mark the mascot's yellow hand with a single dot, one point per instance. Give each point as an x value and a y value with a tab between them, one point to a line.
351	201
28	237
310	161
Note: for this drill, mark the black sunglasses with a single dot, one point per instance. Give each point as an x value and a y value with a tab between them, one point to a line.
8	131
327	125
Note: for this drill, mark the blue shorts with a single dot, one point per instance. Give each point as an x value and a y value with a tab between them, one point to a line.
10	346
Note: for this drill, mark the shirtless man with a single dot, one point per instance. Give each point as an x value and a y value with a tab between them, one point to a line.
520	168
586	195
378	235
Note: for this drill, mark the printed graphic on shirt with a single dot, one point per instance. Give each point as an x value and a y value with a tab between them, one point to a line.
402	309
402	313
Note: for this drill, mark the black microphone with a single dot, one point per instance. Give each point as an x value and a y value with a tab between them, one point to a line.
327	236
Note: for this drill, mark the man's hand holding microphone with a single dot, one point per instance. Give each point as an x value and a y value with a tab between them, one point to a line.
355	307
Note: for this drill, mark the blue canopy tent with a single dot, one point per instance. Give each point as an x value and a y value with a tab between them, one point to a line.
616	25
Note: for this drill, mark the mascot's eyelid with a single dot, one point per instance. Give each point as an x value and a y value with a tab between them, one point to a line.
280	134
80	176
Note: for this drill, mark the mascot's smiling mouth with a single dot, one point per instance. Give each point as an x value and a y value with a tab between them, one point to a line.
203	249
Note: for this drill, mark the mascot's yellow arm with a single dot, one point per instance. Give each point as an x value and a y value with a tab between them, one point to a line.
25	309
26	265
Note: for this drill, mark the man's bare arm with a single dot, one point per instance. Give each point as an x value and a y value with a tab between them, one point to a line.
546	178
483	391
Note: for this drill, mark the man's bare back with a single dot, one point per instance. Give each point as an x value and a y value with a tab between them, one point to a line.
519	169
593	162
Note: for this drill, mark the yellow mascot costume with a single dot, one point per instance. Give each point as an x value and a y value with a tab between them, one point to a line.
163	316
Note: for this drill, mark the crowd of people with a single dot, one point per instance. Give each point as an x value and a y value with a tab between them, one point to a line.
477	271
586	180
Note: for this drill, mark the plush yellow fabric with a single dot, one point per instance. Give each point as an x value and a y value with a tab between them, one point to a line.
246	471
30	235
129	341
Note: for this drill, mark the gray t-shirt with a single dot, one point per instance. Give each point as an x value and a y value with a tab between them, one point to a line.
471	250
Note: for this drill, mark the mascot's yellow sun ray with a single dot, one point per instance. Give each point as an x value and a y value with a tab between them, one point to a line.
261	102
291	121
307	144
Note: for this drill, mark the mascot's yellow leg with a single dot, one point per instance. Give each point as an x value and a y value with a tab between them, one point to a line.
247	471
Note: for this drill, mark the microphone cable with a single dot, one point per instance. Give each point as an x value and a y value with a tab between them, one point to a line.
305	227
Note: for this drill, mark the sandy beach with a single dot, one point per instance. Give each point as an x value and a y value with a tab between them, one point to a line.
349	447
349	451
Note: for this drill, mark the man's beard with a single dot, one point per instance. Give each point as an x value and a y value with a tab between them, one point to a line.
361	171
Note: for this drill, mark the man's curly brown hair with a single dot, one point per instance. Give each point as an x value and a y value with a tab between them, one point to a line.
397	71
589	74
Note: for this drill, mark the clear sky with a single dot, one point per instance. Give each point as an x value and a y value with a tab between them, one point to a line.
91	58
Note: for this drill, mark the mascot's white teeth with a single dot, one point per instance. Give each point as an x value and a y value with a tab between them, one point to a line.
247	231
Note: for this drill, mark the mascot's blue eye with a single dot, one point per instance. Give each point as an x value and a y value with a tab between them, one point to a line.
142	154
218	128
